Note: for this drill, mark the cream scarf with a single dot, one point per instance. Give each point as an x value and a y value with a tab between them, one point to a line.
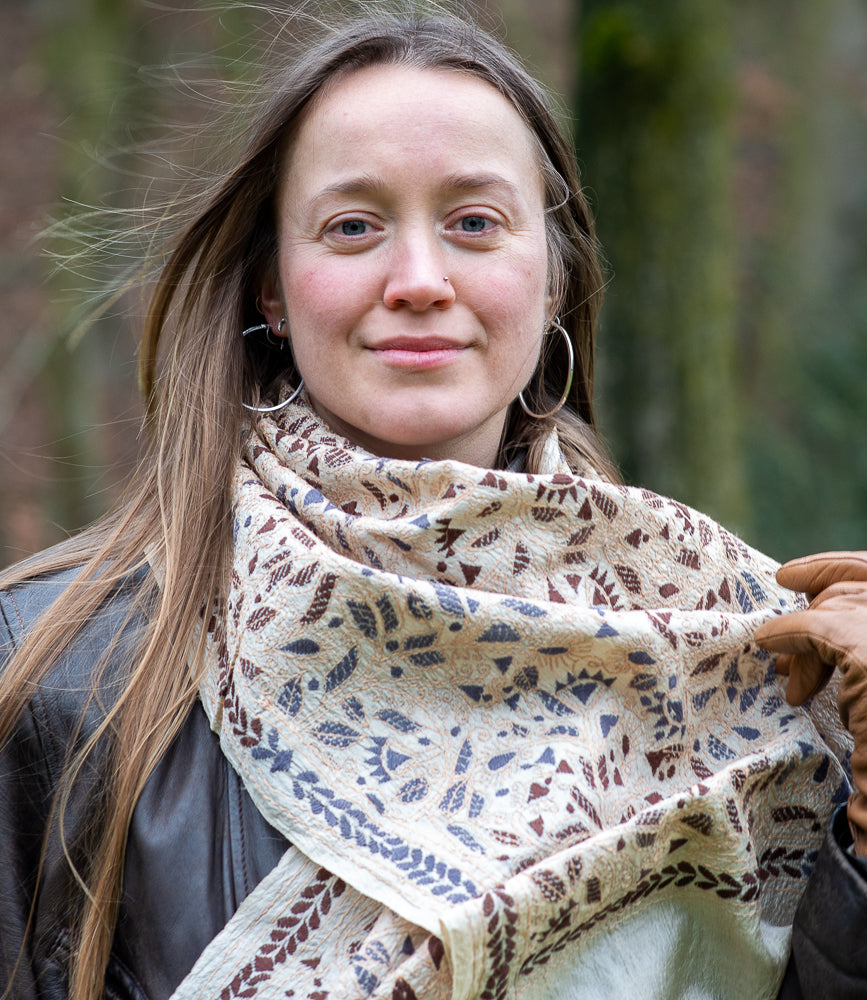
515	730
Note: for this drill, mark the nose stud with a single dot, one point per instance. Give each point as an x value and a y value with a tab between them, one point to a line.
445	279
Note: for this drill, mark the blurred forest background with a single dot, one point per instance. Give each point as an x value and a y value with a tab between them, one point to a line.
724	147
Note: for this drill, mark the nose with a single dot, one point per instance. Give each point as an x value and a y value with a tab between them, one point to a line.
418	277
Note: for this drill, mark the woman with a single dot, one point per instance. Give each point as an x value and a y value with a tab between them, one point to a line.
489	723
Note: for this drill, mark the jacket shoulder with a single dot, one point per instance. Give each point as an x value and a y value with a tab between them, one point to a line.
95	659
22	605
38	894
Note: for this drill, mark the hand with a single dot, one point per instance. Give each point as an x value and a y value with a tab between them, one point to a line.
813	642
831	633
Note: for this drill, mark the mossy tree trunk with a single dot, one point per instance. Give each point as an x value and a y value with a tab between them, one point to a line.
110	62
656	137
804	271
92	51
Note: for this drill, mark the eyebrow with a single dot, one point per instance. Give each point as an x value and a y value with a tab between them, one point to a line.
354	185
367	184
473	182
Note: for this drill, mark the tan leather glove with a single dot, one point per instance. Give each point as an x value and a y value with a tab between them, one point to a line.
831	633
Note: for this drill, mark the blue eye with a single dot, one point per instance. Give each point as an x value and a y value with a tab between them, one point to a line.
474	224
353	227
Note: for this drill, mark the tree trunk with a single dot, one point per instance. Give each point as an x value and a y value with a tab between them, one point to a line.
655	131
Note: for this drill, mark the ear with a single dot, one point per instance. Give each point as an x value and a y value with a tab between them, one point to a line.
271	302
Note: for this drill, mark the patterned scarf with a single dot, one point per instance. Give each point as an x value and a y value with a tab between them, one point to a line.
515	730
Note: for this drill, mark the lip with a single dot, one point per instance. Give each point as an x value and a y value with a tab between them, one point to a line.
417	352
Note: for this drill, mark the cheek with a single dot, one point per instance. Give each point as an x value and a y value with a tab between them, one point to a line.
322	304
513	298
520	274
518	301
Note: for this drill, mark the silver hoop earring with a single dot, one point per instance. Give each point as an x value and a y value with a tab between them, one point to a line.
269	333
279	406
255	329
278	343
555	325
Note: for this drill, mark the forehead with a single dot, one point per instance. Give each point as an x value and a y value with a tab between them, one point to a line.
376	117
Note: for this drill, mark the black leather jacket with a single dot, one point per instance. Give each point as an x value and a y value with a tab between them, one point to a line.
197	846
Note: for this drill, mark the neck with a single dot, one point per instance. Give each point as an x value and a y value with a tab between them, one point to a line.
480	447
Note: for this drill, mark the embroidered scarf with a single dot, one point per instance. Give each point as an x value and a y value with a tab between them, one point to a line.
515	730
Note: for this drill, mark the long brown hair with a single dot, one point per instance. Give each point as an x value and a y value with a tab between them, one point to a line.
196	371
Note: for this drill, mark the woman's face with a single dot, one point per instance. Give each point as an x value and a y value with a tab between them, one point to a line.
412	263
